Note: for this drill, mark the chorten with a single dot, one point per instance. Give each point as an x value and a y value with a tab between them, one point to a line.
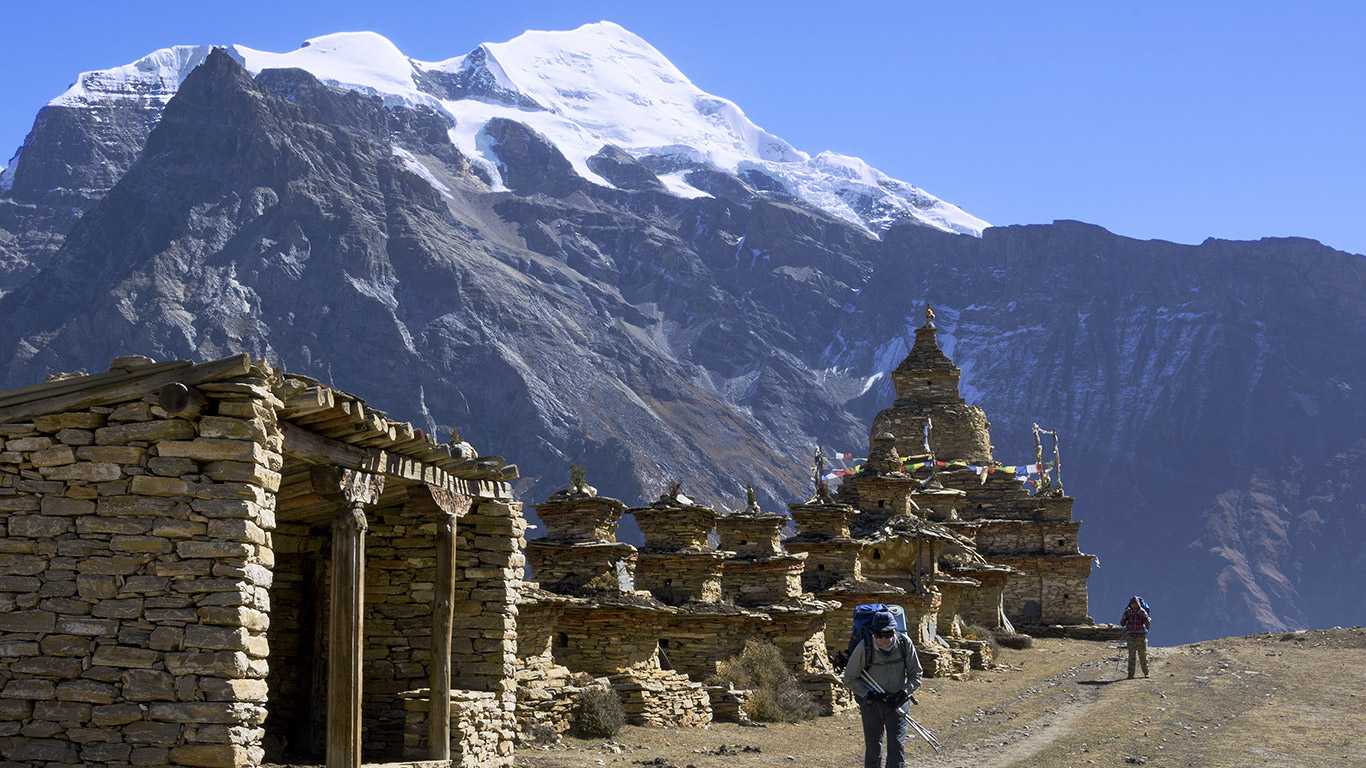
926	384
678	563
1034	534
610	628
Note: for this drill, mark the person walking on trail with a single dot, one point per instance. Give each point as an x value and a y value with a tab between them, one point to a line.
1136	622
893	664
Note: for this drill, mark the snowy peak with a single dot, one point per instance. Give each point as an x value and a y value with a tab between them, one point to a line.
584	89
476	75
362	61
151	80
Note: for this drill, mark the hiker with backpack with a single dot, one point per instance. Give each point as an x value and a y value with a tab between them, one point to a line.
1136	622
883	671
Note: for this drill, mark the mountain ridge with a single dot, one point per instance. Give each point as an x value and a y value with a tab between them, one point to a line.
717	338
584	88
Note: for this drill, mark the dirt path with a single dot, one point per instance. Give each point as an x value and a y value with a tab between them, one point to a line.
1261	701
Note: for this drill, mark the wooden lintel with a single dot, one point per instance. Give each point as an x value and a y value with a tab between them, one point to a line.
102	391
316	449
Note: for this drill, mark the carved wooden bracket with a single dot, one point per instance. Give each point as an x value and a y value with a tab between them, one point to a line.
348	486
439	501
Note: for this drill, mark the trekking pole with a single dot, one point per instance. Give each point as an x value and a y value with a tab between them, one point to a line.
911	723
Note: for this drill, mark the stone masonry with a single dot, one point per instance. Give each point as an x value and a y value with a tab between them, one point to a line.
1034	534
167	585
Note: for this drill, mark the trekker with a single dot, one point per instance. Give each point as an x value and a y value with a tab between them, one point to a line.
1136	622
893	663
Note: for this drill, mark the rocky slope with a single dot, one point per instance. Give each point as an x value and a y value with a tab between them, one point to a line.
1211	396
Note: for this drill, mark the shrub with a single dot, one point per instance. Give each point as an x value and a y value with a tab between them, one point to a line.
979	632
598	714
1011	640
777	695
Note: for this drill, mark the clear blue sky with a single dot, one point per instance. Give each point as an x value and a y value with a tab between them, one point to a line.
1177	121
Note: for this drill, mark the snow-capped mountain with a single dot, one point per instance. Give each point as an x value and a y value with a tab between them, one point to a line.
471	243
585	89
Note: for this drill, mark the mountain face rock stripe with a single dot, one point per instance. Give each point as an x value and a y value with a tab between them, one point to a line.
1211	396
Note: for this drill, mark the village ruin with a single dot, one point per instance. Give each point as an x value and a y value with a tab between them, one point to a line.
195	557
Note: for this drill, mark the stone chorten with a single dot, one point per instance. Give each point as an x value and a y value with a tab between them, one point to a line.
760	574
926	385
609	628
1034	535
580	553
678	563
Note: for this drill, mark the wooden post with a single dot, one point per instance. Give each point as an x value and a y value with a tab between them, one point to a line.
446	507
346	624
443	616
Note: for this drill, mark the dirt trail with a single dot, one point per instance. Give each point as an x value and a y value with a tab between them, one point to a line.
1293	700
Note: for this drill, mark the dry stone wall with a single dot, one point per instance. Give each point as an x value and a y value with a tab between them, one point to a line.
675	578
546	691
490	563
297	626
480	735
601	639
135	568
400	565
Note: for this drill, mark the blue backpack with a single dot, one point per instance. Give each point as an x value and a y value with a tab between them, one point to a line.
1146	608
863	628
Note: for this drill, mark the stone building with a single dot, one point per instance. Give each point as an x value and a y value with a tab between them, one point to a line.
1034	534
592	620
194	557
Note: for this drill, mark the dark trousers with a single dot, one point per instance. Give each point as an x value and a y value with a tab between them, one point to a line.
879	720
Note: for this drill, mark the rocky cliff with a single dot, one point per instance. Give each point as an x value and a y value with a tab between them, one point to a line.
1212	398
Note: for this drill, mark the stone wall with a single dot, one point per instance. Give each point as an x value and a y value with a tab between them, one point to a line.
480	736
763	581
695	642
602	640
400	565
799	634
135	564
579	567
1053	589
668	527
831	521
960	432
662	699
952	592
1011	537
489	566
751	536
983	606
898	560
573	518
296	727
545	689
889	495
828	561
675	578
